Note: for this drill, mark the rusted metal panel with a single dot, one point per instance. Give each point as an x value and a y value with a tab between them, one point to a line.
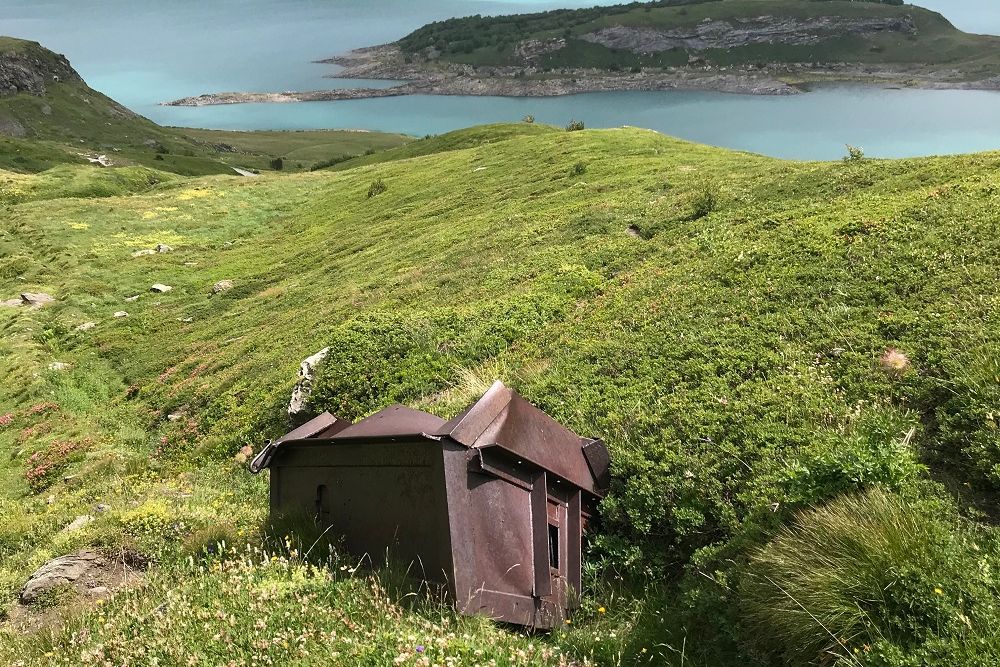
540	538
574	547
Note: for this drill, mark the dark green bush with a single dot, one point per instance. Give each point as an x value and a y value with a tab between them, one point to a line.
575	126
377	187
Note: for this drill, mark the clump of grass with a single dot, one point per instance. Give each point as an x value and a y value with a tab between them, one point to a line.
377	187
866	573
575	126
579	169
703	204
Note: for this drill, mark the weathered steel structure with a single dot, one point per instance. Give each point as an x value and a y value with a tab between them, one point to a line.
492	505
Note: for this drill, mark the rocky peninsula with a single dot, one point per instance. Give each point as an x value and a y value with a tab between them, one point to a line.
733	54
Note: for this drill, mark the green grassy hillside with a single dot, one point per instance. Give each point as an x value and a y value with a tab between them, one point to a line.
500	40
55	118
795	366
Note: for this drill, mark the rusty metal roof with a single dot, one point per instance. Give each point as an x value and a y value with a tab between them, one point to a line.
500	419
395	420
324	425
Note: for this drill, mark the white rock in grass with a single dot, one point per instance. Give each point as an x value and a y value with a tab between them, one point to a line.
78	523
86	326
120	314
163	247
160	288
59	366
222	286
143	253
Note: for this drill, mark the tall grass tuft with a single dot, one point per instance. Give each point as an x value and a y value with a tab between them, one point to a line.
864	571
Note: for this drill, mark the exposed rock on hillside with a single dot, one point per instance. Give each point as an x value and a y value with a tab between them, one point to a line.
31	70
734	34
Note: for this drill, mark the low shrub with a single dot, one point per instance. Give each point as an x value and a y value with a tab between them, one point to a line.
854	154
45	465
703	204
377	187
579	169
575	126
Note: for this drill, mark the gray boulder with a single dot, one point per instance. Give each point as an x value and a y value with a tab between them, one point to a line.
222	286
163	247
160	288
36	299
59	572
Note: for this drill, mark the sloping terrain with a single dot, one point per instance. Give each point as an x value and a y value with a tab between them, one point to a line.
49	116
752	337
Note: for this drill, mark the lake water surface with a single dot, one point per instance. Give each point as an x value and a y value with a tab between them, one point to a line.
142	52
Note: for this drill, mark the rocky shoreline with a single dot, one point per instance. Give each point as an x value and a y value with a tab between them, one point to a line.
425	77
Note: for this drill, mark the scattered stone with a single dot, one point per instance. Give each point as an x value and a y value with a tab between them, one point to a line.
120	314
101	508
78	523
163	247
307	373
227	244
36	299
132	299
175	416
479	169
190	264
98	591
143	253
12	303
222	286
86	326
59	366
185	320
160	288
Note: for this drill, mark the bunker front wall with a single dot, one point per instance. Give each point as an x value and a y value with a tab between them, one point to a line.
386	499
517	543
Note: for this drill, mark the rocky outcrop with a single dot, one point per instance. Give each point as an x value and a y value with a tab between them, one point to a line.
736	33
303	388
31	69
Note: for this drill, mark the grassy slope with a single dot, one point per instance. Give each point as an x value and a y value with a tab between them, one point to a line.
71	120
728	354
938	43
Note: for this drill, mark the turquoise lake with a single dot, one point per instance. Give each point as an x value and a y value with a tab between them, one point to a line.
142	52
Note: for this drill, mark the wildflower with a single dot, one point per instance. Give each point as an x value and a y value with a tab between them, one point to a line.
601	610
420	648
894	362
568	621
938	591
